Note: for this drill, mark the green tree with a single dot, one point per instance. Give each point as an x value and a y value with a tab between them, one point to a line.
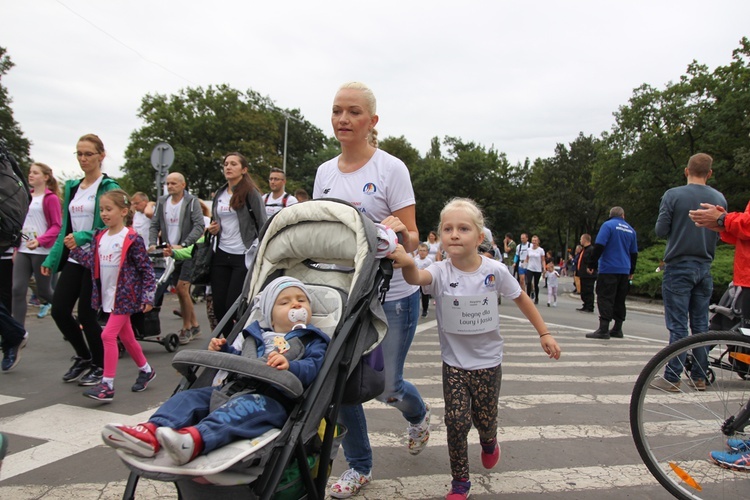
10	130
202	125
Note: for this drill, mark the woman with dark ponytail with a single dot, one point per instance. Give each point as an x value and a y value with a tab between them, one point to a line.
238	213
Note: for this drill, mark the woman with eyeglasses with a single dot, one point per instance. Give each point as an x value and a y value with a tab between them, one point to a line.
238	214
80	219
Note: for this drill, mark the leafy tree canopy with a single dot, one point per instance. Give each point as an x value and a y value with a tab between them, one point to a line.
203	125
10	130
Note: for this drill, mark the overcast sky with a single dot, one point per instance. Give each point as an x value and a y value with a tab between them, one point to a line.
522	76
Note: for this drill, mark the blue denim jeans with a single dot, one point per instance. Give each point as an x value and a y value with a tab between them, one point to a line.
686	289
403	315
243	417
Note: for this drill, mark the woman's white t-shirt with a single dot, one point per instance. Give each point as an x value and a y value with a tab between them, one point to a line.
381	187
81	210
470	351
110	256
432	249
230	240
34	226
536	259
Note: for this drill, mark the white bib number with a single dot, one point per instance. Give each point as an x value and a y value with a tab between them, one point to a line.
470	314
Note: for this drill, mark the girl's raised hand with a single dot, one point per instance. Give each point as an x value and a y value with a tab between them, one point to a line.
549	344
400	258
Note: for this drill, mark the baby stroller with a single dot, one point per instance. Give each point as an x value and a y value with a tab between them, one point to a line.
331	247
726	316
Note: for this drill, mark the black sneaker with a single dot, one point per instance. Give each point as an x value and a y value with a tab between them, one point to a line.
12	356
78	368
93	377
100	392
143	379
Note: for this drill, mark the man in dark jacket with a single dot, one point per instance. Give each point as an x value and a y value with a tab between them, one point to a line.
586	274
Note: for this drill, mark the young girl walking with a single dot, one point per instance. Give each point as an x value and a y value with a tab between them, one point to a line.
40	230
466	286
123	284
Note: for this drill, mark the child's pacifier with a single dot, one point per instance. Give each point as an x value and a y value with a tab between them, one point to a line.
298	315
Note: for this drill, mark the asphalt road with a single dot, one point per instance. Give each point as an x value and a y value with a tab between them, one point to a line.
564	426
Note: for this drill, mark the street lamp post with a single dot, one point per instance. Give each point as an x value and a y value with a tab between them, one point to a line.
287	116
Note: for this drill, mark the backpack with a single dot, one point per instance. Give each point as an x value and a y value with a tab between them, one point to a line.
14	201
283	200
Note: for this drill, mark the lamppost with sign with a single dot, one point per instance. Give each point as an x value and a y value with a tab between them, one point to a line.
162	157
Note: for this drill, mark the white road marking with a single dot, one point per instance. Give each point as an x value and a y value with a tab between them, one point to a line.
67	429
4	400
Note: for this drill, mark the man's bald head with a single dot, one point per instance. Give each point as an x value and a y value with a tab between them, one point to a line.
176	184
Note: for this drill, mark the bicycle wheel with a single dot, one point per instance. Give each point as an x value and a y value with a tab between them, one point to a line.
675	430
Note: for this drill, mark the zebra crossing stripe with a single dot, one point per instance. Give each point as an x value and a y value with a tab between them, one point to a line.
4	400
566	354
67	429
512	344
514	482
546	365
609	379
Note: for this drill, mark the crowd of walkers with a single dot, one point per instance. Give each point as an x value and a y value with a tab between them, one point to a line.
87	246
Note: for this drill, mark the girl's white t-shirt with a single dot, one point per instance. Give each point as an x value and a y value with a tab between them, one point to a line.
381	187
552	278
172	211
476	351
536	259
34	226
230	240
110	256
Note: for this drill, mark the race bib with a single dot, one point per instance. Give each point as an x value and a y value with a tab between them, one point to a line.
470	314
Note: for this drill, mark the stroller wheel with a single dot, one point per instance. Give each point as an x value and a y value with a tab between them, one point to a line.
171	342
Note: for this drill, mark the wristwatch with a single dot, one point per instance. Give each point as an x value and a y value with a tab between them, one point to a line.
720	220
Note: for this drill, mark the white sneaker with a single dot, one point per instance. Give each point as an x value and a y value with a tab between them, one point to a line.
179	445
419	434
350	483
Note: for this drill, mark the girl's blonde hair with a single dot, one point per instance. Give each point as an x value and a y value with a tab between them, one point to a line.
467	205
121	200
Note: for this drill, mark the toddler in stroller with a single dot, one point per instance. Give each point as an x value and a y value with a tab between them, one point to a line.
187	425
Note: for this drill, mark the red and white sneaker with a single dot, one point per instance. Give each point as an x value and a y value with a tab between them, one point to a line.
140	440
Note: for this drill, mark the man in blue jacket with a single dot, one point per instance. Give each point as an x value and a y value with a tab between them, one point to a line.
615	255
